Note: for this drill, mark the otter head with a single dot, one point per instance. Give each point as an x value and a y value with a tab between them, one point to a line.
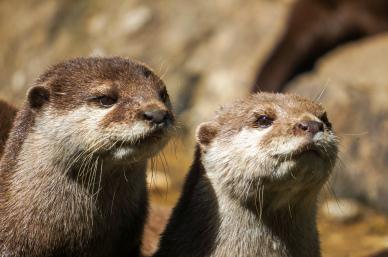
115	108
282	143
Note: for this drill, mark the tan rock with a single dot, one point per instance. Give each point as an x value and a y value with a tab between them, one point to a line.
158	181
341	210
207	51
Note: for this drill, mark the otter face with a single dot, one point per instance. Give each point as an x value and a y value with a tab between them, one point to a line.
283	141
111	107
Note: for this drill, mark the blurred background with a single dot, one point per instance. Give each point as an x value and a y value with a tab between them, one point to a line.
212	52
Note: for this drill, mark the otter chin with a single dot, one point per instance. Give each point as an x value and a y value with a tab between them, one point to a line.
310	160
146	145
252	190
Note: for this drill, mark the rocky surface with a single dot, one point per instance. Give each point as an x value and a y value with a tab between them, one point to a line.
207	51
352	83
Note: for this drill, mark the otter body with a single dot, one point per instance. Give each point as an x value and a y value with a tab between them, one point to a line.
253	186
72	178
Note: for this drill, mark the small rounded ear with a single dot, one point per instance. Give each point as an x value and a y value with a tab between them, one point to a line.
37	96
206	132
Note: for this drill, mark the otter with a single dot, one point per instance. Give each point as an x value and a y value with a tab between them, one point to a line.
7	115
157	217
253	185
72	177
315	27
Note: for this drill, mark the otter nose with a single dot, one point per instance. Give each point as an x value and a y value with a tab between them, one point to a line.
156	116
310	126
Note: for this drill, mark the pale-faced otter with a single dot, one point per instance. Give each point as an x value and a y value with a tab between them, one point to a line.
72	177
253	186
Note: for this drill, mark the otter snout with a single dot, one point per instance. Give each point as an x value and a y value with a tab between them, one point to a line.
157	116
309	127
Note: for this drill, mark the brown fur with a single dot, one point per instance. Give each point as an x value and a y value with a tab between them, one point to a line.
245	197
7	116
158	215
314	28
54	205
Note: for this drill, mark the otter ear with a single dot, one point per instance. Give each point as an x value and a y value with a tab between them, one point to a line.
37	96
206	132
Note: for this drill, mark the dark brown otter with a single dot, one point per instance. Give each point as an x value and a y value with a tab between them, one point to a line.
72	177
7	116
314	28
253	186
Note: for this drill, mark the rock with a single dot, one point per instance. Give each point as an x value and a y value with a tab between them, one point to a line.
226	61
97	24
18	80
383	253
353	81
157	220
341	210
135	19
206	51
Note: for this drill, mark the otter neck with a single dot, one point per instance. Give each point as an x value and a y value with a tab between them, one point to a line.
220	225
259	230
87	174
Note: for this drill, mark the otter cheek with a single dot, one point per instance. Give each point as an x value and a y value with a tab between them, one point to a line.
285	145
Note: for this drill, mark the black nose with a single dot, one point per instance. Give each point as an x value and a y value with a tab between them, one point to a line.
310	126
156	116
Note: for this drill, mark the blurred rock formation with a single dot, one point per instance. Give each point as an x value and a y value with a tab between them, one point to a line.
206	51
314	28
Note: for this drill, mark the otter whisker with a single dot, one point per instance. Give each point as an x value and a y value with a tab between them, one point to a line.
152	169
113	198
318	97
248	190
261	202
100	179
157	157
289	209
355	134
164	172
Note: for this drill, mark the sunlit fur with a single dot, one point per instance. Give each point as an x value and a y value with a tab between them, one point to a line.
252	190
72	178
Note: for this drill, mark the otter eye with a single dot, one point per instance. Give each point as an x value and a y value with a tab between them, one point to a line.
107	101
163	95
264	121
325	120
